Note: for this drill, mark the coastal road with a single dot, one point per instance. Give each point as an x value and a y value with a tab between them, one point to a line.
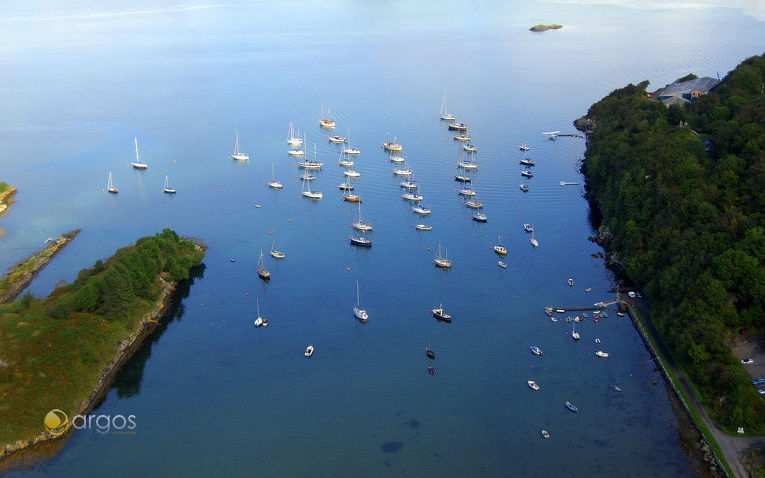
734	448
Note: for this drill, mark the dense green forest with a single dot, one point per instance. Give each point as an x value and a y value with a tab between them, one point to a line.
53	349
681	190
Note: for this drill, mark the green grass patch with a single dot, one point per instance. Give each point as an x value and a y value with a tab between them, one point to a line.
53	350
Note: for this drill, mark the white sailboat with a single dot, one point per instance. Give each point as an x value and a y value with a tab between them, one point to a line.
344	160
444	115
274	253
361	225
404	171
260	321
392	146
360	313
326	122
350	151
574	333
444	261
138	164
110	185
308	164
166	188
274	184
310	194
238	155
298	152
292	140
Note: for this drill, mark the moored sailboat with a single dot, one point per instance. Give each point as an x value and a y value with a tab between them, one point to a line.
110	187
138	164
360	313
263	273
237	154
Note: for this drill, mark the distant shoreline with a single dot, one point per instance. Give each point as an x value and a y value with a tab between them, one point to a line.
542	27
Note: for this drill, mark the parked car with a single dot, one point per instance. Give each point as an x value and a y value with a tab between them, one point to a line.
761	391
758	381
747	361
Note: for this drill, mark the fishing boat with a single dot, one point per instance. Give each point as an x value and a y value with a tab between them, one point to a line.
238	155
346	186
260	321
337	139
464	137
545	434
528	227
429	352
274	184
421	210
261	270
533	385
351	173
394	158
110	185
360	313
478	217
527	174
524	188
535	350
474	203
392	146
308	193
442	262
348	196
423	227
308	351
359	240
469	148
440	314
326	122
499	248
138	164
502	264
528	162
458	126
571	282
166	188
601	354
298	152
574	333
524	147
444	115
572	407
275	253
361	225
408	184
462	178
292	140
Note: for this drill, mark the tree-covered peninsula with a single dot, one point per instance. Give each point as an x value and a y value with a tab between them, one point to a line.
61	351
681	193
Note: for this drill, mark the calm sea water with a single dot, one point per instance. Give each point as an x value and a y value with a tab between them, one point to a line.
213	395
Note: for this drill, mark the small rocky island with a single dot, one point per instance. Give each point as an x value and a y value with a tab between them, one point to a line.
541	28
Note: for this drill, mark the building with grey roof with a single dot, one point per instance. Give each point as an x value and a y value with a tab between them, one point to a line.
685	91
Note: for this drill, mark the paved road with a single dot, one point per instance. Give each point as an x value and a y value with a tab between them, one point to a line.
733	447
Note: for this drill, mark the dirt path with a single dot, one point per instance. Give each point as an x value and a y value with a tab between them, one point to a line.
734	448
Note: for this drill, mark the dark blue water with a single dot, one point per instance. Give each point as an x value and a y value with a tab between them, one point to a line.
213	395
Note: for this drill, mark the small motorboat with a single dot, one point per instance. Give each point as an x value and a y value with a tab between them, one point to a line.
535	350
620	314
527	174
533	385
545	434
572	407
478	217
265	322
499	249
431	370
429	352
259	322
571	282
560	310
588	289
601	354
524	188
597	341
359	240
502	264
308	351
617	388
423	227
440	314
528	228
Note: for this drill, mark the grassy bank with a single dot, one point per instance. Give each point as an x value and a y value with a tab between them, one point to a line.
55	352
6	193
22	274
707	434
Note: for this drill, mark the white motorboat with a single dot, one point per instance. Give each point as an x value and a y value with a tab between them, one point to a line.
533	385
423	227
601	354
308	351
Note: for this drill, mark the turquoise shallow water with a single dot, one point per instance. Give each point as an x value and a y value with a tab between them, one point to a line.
214	396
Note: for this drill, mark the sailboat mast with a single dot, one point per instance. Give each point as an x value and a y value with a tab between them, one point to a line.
137	157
